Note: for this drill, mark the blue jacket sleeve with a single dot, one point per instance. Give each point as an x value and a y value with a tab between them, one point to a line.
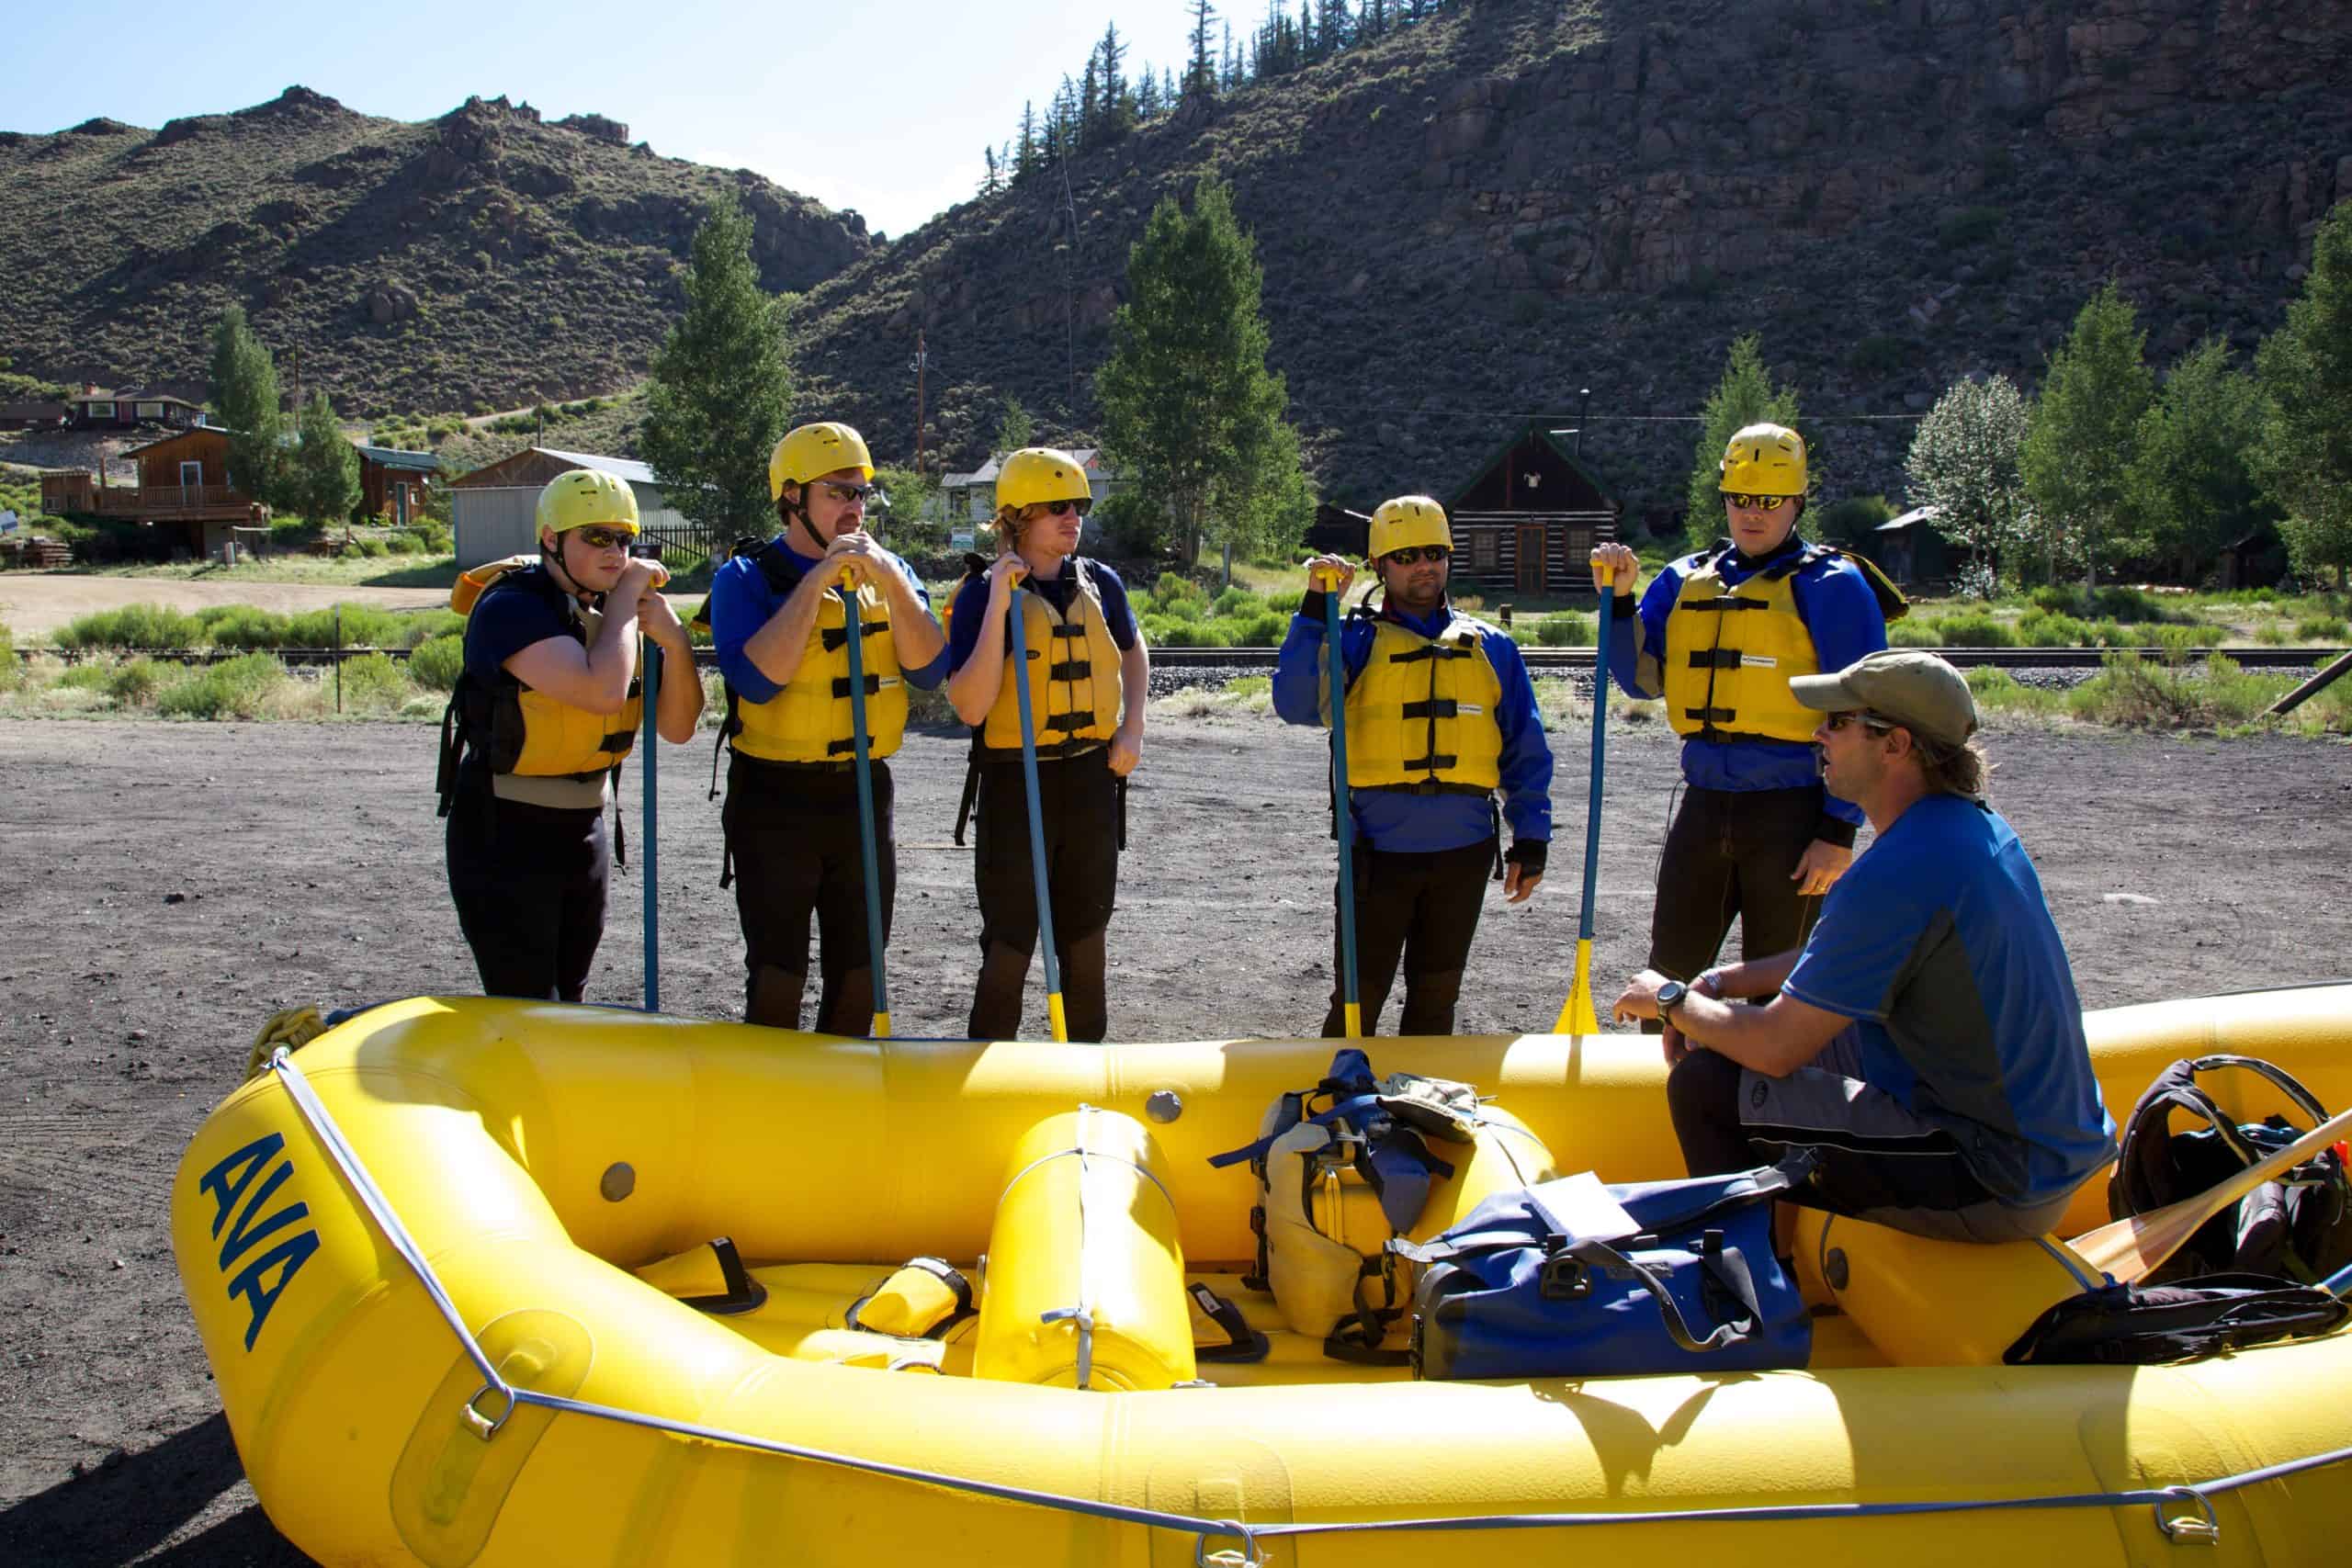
1842	613
740	605
1637	642
1299	675
1526	763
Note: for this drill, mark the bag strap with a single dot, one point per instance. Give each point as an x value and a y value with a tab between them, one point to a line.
1244	1343
1734	1276
2285	1081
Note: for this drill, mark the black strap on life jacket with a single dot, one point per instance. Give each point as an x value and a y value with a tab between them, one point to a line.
1243	1343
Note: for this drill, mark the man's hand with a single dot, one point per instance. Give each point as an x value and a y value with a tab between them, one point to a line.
1518	882
1639	999
1619	564
1821	866
1126	751
1677	1046
638	579
851	555
661	623
1331	574
1004	577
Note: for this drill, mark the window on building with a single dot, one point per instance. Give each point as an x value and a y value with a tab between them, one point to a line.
100	411
151	410
1484	554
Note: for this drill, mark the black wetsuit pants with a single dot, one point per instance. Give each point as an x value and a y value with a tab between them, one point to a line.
529	883
1422	908
1728	856
1079	798
793	834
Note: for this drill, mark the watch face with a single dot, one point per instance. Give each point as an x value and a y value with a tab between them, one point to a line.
1670	995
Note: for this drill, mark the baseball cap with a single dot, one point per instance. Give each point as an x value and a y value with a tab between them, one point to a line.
1909	685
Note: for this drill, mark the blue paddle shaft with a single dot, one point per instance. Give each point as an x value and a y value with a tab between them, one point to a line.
865	839
1335	683
1019	654
1600	746
651	849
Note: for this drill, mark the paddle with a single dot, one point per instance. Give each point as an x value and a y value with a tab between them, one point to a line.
1019	654
649	657
1577	1015
2130	1248
1335	686
866	805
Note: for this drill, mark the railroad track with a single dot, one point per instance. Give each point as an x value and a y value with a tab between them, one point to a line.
1262	659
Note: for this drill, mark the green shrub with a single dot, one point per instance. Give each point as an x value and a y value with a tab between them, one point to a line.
1976	631
135	683
236	688
12	669
2178	640
88	677
2272	633
1237	602
1287	600
1565	631
242	626
436	663
421	627
292	533
2041	629
2319	628
1997	690
364	625
372	683
1911	632
132	626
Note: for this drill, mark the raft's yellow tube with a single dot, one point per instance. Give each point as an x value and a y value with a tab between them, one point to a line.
1085	1285
1923	1302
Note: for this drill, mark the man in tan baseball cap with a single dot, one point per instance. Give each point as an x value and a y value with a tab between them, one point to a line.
1925	1046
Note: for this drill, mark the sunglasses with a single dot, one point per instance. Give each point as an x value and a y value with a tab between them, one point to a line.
1064	508
1758	503
1413	553
848	495
1869	721
603	538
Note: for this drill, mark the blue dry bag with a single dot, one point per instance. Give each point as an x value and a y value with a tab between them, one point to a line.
1511	1292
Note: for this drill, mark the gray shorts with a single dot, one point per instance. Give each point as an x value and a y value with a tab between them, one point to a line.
1880	1160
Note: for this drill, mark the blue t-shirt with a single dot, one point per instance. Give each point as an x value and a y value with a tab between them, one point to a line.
1397	822
520	609
741	601
1937	944
1840	612
971	603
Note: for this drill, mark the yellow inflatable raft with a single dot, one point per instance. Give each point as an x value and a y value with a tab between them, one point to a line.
413	1248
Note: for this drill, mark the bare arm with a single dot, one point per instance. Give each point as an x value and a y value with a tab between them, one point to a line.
972	690
1775	1039
1756	977
678	709
914	631
1135	688
776	647
595	679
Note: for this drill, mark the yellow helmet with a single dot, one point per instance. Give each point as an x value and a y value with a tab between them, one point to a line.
1041	473
587	499
1408	520
1764	459
814	449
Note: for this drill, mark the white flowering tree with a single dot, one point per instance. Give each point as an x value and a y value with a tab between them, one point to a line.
1964	463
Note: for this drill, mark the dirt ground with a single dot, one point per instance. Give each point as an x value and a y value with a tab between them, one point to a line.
169	886
33	605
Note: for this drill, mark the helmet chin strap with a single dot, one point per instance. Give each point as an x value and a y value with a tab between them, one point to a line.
553	561
799	510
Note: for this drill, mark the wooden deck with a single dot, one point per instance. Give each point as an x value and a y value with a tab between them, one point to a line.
163	503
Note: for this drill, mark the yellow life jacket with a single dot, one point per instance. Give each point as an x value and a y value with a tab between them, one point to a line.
539	750
1421	716
1074	681
1730	652
810	719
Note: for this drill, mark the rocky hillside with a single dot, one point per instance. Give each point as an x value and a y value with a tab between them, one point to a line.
1464	223
486	258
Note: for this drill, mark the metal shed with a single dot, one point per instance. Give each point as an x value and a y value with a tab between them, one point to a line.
494	509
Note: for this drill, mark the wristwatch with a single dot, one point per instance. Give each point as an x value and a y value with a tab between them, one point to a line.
1669	997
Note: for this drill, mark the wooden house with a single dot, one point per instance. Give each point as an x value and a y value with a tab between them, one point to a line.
185	491
1526	521
392	482
32	416
1914	551
100	407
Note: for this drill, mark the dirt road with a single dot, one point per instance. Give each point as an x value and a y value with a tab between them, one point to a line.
33	604
169	886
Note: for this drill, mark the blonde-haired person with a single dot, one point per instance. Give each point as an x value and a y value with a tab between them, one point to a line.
545	711
1088	674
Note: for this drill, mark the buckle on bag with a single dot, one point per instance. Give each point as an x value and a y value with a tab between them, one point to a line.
1564	1279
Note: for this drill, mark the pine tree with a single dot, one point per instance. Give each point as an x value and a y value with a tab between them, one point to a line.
1089	105
1375	21
1963	462
1026	154
721	385
988	180
1334	29
1745	395
322	481
2189	478
1190	409
242	387
2305	372
2078	446
1118	106
1148	104
1200	76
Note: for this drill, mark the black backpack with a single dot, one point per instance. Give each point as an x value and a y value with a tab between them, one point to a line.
2299	1227
2145	1325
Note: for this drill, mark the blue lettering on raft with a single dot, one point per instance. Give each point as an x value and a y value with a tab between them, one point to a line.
228	1182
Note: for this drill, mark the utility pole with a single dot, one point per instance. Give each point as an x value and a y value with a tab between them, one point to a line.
919	364
1584	402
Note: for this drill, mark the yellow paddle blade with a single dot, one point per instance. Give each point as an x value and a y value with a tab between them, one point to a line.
2131	1248
1353	1014
1054	1015
881	1026
1576	1016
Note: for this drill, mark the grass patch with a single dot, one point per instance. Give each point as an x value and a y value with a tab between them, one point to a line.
239	688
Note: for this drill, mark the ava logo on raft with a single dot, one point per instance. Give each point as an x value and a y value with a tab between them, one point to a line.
229	1182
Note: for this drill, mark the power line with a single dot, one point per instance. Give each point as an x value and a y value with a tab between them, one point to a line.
1321	408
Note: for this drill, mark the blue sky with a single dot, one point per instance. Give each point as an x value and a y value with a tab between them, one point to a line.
882	106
